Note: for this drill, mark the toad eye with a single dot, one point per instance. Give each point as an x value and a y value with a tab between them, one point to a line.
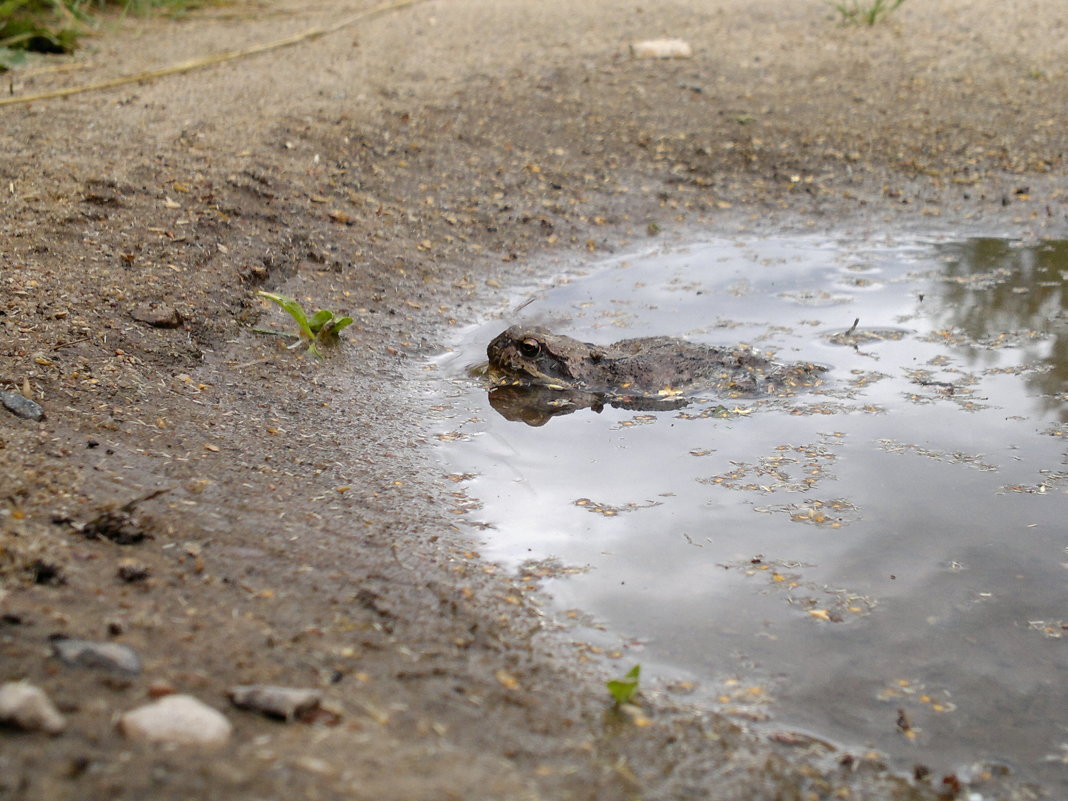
530	348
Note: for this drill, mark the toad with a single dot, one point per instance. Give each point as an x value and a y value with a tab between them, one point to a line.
649	367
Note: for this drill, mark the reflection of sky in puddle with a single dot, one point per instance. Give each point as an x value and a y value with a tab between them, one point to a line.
894	542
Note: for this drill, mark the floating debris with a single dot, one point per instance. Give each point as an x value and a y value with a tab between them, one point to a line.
811	297
915	694
793	468
956	457
865	336
636	420
535	570
612	511
833	513
1053	629
717	412
1052	481
829	604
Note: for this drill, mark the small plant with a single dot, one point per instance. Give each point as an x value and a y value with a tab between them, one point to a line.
866	12
54	26
623	689
321	328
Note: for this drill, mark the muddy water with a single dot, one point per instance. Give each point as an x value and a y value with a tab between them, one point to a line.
882	561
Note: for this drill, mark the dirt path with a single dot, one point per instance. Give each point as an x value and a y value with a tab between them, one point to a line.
409	170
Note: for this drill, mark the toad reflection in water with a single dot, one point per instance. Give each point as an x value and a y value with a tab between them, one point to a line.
535	374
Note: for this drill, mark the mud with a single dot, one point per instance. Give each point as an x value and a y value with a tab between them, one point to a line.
415	171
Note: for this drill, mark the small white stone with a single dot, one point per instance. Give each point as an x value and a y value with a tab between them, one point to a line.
28	707
180	719
661	48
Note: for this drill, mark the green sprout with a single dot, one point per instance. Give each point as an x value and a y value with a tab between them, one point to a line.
623	689
867	12
321	328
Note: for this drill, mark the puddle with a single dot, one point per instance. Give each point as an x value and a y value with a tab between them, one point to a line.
882	560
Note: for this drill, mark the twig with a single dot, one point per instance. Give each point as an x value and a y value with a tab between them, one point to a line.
218	58
253	363
129	505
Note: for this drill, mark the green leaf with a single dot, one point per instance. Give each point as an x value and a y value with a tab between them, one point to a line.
323	326
294	309
329	331
10	7
622	689
9	58
319	319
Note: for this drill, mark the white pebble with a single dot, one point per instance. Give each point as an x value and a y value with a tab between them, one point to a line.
28	707
180	719
661	48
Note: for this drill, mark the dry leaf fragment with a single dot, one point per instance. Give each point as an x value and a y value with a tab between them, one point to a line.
507	680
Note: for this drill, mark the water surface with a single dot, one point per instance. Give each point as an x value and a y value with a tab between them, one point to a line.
882	561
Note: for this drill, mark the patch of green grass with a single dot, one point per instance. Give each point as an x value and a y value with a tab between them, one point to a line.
623	689
54	26
321	328
865	12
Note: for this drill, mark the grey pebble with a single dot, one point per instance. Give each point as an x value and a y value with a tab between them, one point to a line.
104	655
21	406
276	702
28	707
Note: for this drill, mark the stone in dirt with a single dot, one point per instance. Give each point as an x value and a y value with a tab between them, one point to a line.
28	707
22	406
277	702
102	655
157	316
177	719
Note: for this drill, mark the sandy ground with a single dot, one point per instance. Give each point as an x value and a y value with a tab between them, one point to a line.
412	170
